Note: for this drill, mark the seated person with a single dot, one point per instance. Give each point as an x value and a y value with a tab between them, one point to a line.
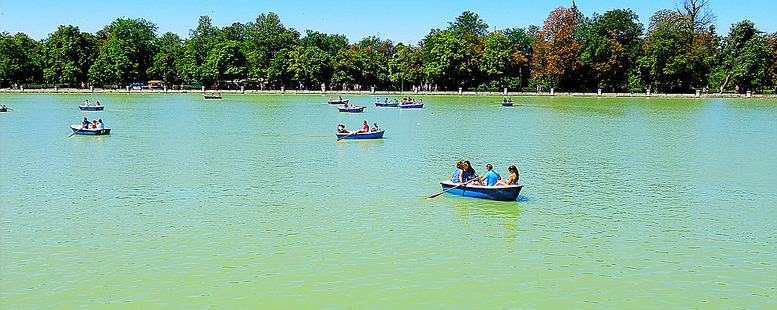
365	127
341	128
513	179
375	127
491	177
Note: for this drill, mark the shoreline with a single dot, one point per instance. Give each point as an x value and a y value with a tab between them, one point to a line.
378	93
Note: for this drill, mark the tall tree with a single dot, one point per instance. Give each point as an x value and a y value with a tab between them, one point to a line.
555	48
468	23
445	59
772	63
21	60
265	37
68	55
743	58
170	50
610	44
127	54
406	66
501	58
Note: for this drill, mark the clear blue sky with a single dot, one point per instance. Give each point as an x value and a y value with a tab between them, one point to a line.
398	20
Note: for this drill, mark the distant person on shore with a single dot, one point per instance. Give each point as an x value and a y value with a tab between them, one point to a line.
491	177
456	177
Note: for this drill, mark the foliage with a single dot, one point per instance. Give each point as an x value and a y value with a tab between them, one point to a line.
22	60
68	55
743	58
555	49
126	55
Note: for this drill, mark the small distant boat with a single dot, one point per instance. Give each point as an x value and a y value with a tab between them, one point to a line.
361	135
507	104
79	130
387	104
412	106
338	101
503	193
4	110
91	108
212	96
352	109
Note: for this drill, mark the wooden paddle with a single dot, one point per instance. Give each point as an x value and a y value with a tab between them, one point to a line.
79	129
348	135
448	190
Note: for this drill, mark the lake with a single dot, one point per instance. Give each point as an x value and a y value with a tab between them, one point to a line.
250	202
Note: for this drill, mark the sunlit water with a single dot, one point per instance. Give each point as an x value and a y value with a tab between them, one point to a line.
250	202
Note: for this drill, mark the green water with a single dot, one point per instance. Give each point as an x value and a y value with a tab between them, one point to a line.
249	202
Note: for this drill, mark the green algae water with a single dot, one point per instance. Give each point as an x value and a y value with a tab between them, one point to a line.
249	202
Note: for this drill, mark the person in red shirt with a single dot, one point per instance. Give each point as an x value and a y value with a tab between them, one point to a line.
365	127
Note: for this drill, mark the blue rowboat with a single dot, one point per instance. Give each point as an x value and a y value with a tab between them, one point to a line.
353	109
388	104
91	108
361	135
503	193
338	101
78	129
211	97
507	104
412	106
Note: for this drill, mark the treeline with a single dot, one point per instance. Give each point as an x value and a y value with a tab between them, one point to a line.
678	52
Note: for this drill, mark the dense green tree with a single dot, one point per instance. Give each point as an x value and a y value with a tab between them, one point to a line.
743	58
224	62
265	37
68	55
329	43
406	66
21	60
610	44
170	49
376	56
468	23
521	41
445	59
679	48
501	59
771	71
127	53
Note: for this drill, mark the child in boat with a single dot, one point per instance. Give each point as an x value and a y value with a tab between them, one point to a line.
94	124
456	177
341	128
513	179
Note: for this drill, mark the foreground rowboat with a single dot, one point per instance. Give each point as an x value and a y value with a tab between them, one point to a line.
503	193
78	129
361	135
91	108
353	109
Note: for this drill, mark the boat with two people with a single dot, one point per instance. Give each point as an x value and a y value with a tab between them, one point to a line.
3	108
213	96
94	128
338	101
89	107
364	133
507	102
466	182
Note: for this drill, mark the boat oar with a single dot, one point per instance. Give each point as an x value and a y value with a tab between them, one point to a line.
79	129
348	135
448	190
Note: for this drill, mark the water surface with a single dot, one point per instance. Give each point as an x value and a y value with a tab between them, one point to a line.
249	201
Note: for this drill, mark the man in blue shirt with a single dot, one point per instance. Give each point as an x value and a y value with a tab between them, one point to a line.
491	176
